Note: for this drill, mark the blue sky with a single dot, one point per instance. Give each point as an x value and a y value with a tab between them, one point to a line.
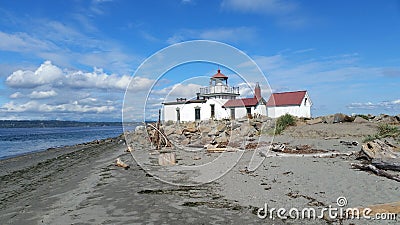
72	60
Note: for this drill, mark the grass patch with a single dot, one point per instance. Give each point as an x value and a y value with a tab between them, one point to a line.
283	122
384	131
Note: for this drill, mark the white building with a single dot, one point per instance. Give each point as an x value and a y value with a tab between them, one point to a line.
217	101
296	103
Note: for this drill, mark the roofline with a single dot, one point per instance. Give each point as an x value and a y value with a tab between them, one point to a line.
289	92
185	102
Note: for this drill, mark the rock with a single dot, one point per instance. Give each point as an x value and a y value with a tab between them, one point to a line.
340	118
185	142
328	119
359	119
169	130
222	138
314	121
213	132
189	129
167	159
247	130
221	127
119	163
139	129
380	149
205	129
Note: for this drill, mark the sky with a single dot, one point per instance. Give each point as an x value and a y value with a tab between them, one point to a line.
73	60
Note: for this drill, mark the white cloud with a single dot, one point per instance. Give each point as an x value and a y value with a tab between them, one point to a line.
286	12
187	91
260	6
42	94
22	42
371	106
45	74
233	34
16	95
49	74
35	106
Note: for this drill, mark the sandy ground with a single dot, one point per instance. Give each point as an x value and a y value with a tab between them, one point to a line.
81	185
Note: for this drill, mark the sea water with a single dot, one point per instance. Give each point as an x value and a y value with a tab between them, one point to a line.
17	141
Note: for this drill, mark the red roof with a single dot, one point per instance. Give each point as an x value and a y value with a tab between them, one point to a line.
242	102
219	75
286	98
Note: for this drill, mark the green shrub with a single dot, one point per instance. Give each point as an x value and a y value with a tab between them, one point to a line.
386	130
284	121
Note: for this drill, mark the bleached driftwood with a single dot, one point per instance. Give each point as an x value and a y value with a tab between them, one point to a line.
379	172
315	155
379	149
119	163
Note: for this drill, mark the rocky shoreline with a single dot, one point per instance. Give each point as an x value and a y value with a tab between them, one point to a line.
310	167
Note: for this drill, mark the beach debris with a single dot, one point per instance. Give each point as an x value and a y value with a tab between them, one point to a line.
216	150
129	149
392	207
387	164
379	172
120	163
167	159
196	158
349	143
379	149
277	147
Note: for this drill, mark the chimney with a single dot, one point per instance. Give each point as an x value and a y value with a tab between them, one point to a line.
257	92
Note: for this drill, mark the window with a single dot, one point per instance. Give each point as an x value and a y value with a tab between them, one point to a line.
212	110
305	101
178	115
248	110
197	113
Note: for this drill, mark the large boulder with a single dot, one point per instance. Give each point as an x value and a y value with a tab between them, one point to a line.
359	119
314	121
340	118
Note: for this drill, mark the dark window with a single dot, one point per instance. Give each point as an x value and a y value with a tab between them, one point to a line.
197	114
248	110
212	110
305	101
178	115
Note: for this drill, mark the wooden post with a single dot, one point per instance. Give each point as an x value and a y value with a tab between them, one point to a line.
158	129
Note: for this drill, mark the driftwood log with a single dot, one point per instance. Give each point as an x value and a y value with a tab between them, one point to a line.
378	149
387	164
379	172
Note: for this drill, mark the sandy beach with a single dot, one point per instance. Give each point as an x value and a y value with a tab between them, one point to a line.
81	185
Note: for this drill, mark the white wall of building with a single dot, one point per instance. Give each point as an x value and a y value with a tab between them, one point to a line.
242	111
187	111
302	110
